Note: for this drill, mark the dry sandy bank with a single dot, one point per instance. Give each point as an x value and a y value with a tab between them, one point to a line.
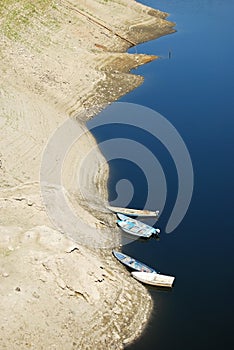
58	60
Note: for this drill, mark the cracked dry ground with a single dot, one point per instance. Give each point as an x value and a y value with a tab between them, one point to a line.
42	276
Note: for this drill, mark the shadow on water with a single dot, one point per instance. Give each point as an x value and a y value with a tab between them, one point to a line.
154	290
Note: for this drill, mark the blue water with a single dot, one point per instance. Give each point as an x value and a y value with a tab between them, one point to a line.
194	90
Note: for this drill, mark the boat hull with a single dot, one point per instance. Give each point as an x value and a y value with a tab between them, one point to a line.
134	212
154	279
135	227
132	263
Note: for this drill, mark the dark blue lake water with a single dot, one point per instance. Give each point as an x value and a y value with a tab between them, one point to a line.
194	90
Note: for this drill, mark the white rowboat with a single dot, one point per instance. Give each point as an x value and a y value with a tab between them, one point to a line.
134	212
154	279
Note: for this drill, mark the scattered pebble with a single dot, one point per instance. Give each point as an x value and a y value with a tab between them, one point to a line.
36	295
5	274
30	202
17	289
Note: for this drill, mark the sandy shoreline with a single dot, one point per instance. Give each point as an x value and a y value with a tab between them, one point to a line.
58	60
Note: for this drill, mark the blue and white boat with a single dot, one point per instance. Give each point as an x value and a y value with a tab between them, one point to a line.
136	227
132	263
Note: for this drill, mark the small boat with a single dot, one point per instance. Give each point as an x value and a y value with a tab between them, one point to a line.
134	212
135	227
154	279
123	217
132	263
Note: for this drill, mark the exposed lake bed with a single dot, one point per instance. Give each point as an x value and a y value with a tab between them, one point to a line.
55	292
